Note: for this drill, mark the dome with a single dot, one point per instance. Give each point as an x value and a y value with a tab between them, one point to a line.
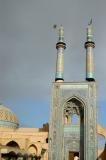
8	118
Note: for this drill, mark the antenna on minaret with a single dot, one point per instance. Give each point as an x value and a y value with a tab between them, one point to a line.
89	45
60	46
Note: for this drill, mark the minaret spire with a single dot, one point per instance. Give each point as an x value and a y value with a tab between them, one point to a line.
60	46
89	45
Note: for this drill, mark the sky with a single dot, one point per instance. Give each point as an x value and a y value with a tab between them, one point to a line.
28	53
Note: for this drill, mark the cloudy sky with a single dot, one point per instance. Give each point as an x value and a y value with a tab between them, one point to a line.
28	54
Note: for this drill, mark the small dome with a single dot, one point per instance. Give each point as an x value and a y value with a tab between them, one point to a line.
8	118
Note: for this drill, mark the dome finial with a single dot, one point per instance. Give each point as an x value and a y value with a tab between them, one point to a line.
61	34
90	23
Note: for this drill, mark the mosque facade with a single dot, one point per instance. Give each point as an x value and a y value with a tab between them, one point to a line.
73	130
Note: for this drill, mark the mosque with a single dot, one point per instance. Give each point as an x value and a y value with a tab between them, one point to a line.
21	143
73	130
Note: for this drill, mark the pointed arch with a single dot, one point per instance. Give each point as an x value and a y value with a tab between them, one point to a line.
73	105
13	144
78	98
101	141
101	130
32	149
12	153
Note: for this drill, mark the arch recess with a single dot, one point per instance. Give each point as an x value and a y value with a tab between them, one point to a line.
12	153
32	149
101	130
13	144
18	142
74	120
101	141
73	105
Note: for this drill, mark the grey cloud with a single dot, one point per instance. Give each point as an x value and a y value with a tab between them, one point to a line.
27	44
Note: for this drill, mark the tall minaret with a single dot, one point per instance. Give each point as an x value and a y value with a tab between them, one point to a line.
60	46
89	45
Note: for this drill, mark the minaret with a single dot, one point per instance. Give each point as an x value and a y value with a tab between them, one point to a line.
60	46
89	45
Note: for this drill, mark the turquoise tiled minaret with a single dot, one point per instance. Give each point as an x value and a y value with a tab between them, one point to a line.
69	140
60	46
89	45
